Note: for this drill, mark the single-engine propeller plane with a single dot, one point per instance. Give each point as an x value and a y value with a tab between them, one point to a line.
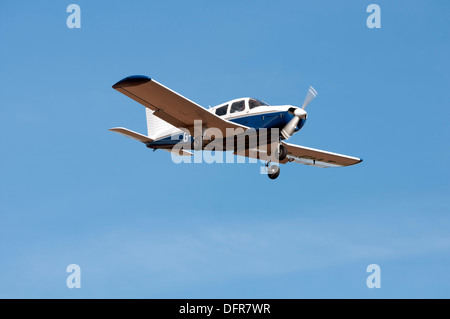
175	120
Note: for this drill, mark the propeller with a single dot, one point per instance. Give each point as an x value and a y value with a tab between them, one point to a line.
312	93
298	113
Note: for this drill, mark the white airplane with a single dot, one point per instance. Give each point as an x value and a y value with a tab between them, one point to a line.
173	119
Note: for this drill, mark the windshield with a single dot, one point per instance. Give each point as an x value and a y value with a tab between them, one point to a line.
255	103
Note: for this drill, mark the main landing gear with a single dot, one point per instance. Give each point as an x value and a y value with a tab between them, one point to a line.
282	152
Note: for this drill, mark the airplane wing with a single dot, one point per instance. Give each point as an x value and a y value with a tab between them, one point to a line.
314	157
302	155
171	106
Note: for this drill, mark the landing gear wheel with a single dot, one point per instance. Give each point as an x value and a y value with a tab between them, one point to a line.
282	152
273	171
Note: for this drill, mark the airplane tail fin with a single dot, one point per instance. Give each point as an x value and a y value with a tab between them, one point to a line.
156	127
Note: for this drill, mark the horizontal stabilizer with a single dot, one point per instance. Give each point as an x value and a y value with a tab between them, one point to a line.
131	134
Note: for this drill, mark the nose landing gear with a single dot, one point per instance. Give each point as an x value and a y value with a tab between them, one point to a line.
273	171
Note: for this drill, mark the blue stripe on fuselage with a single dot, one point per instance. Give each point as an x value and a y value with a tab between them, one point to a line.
268	120
263	120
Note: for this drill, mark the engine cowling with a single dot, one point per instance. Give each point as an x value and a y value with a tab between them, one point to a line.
289	128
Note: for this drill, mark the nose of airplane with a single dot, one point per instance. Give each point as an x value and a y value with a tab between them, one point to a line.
292	125
300	113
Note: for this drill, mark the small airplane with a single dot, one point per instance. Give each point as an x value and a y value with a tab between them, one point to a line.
173	119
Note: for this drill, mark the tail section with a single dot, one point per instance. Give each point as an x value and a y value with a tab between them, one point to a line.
157	127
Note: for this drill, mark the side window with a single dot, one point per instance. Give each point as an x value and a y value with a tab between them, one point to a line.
222	110
237	106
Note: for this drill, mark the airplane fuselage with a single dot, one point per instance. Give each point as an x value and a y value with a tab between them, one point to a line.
260	117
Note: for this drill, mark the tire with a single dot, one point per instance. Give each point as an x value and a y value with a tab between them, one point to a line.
282	152
274	171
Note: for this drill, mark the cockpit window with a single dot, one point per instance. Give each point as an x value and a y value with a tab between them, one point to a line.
237	106
255	103
222	110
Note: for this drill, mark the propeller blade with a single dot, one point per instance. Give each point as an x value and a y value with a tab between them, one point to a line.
312	93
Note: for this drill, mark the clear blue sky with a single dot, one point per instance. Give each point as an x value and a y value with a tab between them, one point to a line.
141	226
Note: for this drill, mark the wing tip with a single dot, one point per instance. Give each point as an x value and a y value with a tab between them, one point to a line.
116	129
132	80
357	161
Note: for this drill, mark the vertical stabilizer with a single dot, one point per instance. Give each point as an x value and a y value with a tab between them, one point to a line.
157	127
